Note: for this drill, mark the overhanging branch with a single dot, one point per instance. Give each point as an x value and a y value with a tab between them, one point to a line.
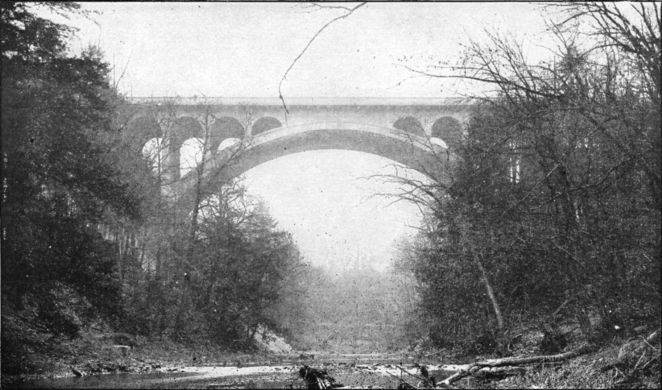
349	11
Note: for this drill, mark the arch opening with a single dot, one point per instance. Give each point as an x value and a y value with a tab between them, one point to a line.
410	125
190	155
264	124
339	183
438	142
184	128
142	129
449	130
224	128
155	151
228	143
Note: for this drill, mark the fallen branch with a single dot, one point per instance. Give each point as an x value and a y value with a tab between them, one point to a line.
652	337
500	371
515	361
459	375
511	365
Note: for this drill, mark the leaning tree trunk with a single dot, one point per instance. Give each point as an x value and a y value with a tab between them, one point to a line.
486	282
490	292
500	331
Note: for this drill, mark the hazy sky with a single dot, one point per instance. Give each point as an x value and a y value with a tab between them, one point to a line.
243	49
329	205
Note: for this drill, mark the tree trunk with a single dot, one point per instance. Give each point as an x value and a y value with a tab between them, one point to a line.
488	287
490	292
487	283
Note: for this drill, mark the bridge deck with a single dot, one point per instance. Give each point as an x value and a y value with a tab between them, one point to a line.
305	101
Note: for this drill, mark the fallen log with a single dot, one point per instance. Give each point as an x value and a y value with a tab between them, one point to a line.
459	375
500	371
516	361
512	365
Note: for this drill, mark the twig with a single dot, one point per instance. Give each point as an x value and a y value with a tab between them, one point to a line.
320	6
117	82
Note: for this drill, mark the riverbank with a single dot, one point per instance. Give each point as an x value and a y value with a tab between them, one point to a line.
622	362
39	355
587	371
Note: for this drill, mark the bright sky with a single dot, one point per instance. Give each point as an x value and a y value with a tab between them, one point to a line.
243	49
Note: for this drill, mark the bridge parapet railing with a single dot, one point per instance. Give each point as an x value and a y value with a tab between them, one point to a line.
302	101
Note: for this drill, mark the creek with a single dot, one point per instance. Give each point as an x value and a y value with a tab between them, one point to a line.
352	370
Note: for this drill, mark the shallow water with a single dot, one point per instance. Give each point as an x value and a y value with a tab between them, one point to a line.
351	370
263	377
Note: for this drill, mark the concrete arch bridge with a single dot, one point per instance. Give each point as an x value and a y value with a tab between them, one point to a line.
233	135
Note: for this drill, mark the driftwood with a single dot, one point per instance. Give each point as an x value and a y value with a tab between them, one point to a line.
510	365
500	371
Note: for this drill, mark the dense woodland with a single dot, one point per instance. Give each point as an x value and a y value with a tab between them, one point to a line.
551	214
87	235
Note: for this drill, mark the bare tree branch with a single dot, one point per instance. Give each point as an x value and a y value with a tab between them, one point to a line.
330	22
317	7
117	82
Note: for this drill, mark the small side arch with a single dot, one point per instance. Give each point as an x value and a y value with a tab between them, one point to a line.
223	128
190	155
155	152
265	123
449	130
184	128
410	125
141	130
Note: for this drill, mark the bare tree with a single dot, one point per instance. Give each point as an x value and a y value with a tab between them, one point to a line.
561	131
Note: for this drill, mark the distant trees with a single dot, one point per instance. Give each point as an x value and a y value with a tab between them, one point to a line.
556	195
354	310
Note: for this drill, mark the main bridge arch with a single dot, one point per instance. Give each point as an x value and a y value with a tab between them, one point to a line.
414	151
405	130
